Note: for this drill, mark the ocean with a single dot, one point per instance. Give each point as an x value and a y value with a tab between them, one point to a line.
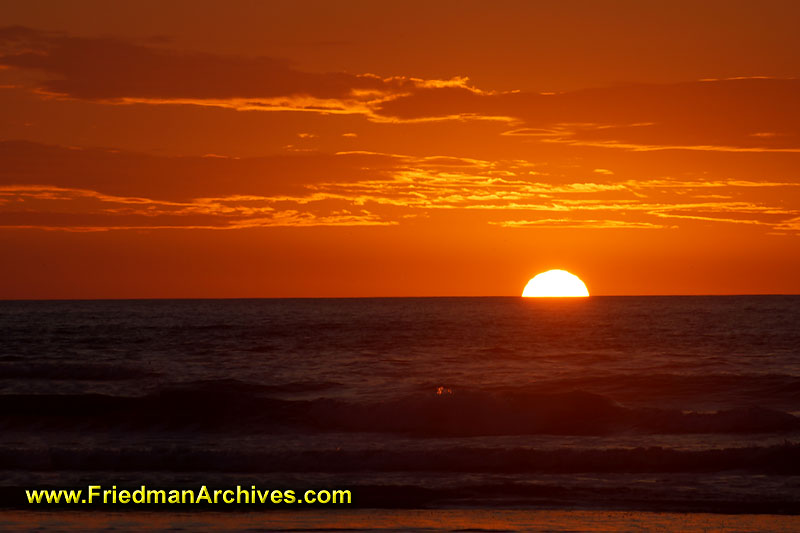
661	404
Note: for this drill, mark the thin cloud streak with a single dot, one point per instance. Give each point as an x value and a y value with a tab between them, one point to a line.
582	224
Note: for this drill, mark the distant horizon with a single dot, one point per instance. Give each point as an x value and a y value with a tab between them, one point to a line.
112	299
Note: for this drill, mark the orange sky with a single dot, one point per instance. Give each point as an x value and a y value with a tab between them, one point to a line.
259	149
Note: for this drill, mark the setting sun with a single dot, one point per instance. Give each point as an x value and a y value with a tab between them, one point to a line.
555	283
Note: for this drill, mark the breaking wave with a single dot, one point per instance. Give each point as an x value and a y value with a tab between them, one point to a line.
236	406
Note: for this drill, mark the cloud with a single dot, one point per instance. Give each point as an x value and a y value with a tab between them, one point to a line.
580	223
54	208
758	114
179	178
727	115
90	189
114	69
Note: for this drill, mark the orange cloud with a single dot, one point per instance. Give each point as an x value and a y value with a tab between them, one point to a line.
55	187
54	208
179	178
119	72
705	115
757	114
587	224
75	67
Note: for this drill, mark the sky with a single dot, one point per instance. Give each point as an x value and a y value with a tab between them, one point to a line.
195	149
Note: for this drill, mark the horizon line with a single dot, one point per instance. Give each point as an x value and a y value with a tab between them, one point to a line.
157	298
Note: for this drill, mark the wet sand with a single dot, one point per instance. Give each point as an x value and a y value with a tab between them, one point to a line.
394	520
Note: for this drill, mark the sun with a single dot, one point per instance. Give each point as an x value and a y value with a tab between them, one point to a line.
555	283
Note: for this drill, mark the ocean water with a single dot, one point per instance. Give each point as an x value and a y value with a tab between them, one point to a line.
672	404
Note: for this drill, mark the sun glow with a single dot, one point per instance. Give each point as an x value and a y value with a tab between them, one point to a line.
555	283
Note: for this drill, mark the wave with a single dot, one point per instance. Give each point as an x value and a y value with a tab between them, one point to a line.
236	406
73	371
782	459
230	386
682	388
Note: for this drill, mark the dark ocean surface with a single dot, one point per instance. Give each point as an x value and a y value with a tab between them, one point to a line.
680	404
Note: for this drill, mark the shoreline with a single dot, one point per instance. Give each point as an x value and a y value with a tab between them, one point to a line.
408	520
